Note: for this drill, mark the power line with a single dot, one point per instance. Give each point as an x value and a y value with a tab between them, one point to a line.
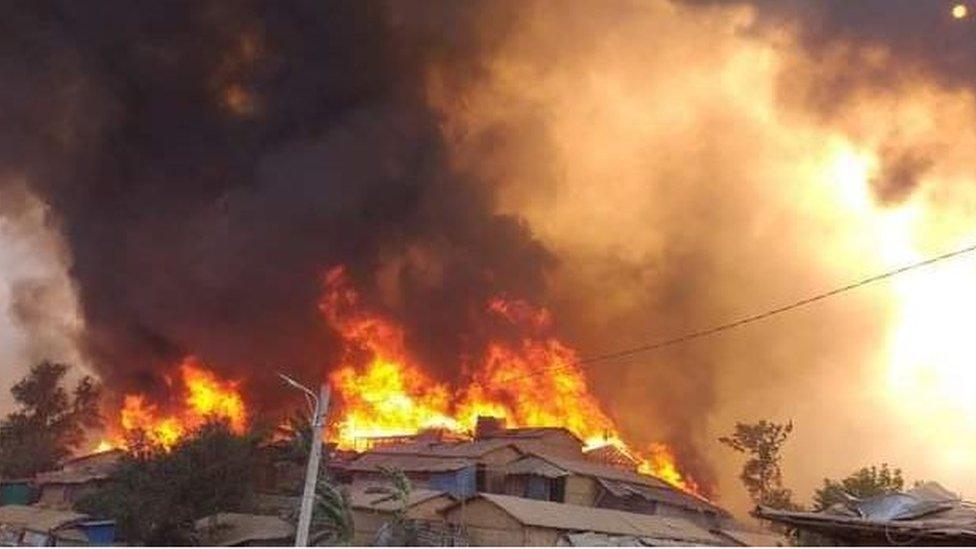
752	318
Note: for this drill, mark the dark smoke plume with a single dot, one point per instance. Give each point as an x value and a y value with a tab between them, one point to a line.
207	161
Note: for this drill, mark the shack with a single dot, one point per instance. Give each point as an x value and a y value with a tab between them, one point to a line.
36	526
76	478
456	476
592	484
493	519
925	515
371	512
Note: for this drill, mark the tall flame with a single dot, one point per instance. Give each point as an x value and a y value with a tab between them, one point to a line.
535	381
203	397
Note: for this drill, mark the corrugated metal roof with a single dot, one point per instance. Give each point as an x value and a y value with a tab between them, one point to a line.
37	518
407	463
576	518
929	514
230	529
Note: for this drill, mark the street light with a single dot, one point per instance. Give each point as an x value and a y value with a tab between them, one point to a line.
319	411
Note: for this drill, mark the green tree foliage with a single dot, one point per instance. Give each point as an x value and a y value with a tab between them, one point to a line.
332	522
761	474
156	495
50	421
863	483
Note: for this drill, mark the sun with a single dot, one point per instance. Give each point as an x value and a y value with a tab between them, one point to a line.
960	11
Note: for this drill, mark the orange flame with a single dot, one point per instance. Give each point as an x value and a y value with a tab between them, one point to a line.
205	397
534	382
391	396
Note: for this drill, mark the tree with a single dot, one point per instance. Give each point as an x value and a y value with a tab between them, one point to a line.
864	483
761	473
156	495
399	531
50	422
332	521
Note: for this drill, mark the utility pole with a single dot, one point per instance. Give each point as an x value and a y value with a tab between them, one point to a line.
321	409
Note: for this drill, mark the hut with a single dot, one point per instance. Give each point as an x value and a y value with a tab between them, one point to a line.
36	526
371	511
76	478
499	520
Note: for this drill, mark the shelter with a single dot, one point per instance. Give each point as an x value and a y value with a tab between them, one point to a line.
78	477
925	515
29	525
493	519
244	530
454	475
592	484
371	511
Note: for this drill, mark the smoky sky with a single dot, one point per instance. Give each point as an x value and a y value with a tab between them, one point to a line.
841	39
206	162
921	37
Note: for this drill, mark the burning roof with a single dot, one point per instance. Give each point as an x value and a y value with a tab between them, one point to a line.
384	397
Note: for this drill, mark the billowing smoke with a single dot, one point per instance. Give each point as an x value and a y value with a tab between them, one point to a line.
206	162
693	162
644	169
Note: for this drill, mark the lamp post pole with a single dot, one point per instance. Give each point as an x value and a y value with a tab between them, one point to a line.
321	409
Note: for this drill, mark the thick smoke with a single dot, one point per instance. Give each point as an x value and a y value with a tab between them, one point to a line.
661	152
918	37
207	161
645	169
869	47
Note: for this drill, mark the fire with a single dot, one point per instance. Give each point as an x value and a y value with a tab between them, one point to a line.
391	395
204	397
534	381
